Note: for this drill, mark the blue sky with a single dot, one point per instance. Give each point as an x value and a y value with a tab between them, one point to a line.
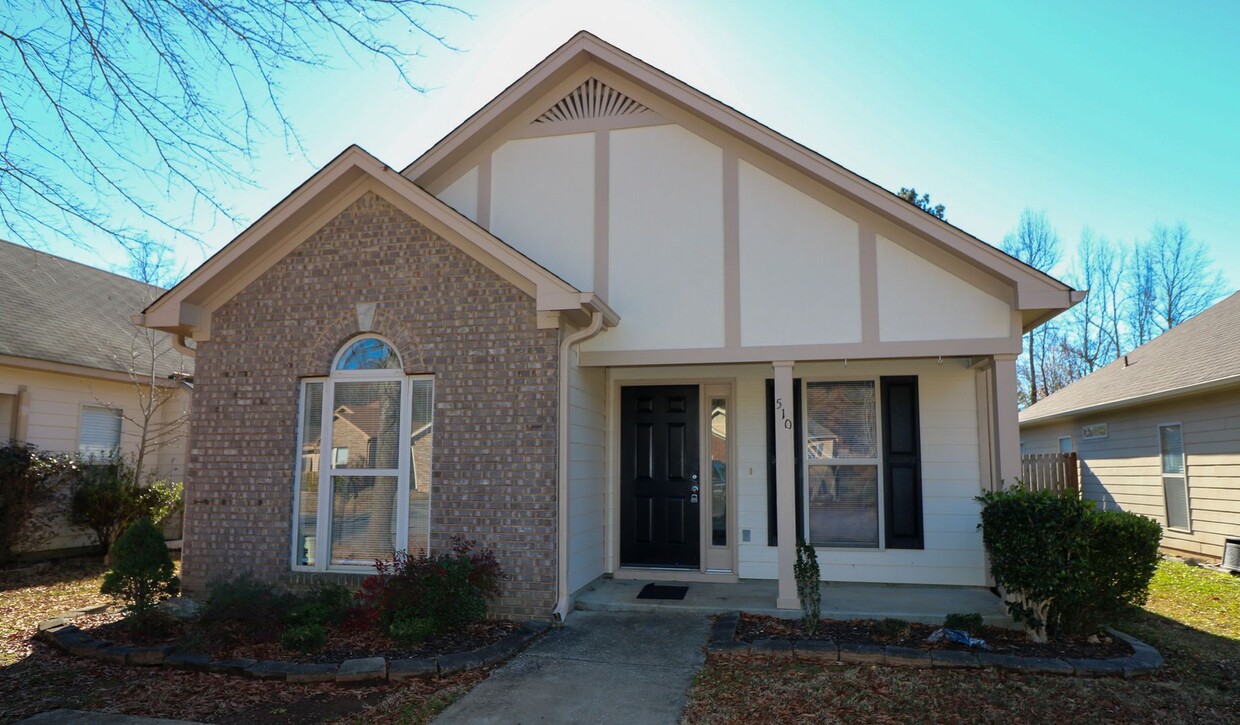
1107	115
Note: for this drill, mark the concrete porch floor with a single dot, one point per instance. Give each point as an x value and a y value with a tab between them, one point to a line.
913	603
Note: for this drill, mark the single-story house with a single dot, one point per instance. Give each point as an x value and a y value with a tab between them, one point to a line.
652	337
1157	431
72	365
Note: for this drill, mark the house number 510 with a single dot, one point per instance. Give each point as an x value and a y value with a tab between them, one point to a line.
783	414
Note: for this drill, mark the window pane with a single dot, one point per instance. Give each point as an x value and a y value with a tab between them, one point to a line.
308	495
1065	445
363	519
1172	444
1175	491
421	440
100	434
719	471
366	424
841	420
843	506
369	354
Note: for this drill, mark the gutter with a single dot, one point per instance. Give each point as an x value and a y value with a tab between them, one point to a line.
561	580
178	341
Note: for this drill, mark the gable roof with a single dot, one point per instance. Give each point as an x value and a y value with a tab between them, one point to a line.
1197	355
1038	295
186	309
55	310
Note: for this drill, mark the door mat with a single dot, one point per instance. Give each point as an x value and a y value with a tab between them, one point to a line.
658	591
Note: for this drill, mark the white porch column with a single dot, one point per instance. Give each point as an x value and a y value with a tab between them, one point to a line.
785	485
1007	425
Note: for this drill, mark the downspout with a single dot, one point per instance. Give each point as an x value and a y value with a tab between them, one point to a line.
178	341
561	579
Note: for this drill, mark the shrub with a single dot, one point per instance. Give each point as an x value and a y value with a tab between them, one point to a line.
242	609
1067	568
307	637
31	482
108	498
971	622
409	628
449	589
142	571
327	605
808	589
892	629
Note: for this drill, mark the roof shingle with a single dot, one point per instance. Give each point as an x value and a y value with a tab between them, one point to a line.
57	310
1203	350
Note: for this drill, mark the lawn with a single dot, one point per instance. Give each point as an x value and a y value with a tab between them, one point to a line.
1192	617
35	678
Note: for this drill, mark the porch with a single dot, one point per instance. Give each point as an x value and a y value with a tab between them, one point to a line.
840	600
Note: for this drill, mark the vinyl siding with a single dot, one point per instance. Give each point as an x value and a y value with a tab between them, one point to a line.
55	408
1122	471
953	551
587	461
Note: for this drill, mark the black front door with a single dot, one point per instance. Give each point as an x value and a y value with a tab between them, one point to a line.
659	486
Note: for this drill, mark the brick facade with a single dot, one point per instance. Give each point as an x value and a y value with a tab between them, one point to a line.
494	460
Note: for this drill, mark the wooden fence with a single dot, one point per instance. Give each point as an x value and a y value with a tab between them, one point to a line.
1051	472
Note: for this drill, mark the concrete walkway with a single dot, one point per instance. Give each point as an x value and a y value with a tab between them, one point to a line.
914	603
600	667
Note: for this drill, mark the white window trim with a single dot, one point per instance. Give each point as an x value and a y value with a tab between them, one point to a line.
322	554
1162	478
877	462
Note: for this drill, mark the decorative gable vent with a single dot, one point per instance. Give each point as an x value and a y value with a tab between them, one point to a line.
592	99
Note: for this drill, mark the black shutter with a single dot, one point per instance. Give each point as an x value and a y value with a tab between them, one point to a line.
772	518
902	462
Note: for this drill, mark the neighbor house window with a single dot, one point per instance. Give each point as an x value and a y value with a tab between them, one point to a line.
374	496
1065	444
841	463
99	434
1174	475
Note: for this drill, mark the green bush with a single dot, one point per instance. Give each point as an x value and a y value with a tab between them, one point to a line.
1067	568
142	571
409	628
971	622
307	637
808	588
31	481
327	605
108	498
240	609
449	589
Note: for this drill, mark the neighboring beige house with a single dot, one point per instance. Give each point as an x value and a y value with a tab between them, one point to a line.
67	351
1157	432
648	336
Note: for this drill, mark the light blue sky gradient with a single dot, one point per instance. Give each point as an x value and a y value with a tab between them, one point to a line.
1111	116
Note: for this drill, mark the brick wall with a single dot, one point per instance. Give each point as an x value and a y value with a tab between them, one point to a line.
494	468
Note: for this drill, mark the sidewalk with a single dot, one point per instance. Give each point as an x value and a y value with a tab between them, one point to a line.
601	667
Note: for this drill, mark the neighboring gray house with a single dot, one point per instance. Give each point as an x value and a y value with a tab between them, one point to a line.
68	349
1157	432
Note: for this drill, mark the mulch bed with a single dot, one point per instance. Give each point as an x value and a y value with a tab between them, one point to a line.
864	631
342	644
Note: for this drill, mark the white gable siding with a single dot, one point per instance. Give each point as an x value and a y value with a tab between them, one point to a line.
462	194
666	241
918	300
542	203
791	244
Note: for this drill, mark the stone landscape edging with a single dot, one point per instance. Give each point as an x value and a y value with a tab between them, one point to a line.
1144	660
61	633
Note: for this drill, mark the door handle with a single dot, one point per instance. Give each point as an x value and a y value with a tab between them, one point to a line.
694	488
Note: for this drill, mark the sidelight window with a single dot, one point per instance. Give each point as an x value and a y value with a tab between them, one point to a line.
371	494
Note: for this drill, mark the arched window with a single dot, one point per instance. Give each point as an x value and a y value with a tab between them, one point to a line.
362	488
